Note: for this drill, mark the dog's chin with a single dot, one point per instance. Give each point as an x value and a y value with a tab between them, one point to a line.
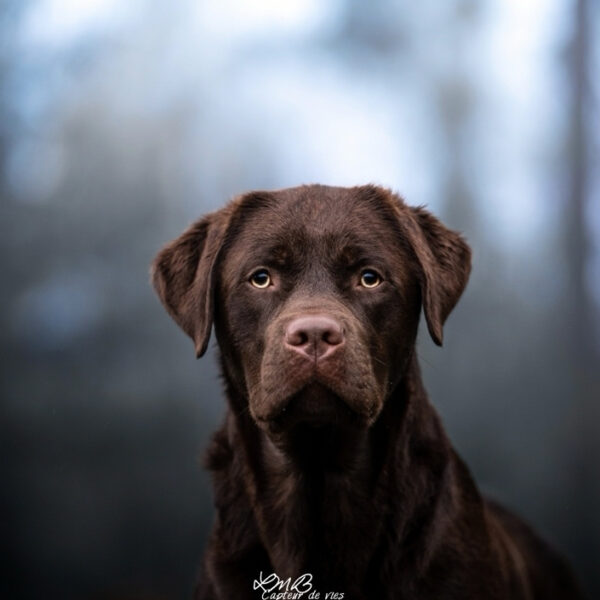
314	406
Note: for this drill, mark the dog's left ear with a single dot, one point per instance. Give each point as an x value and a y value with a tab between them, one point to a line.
445	261
183	276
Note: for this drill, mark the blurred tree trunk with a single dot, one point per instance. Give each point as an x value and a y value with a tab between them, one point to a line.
581	342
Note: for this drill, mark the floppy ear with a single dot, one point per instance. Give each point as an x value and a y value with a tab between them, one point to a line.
445	261
183	276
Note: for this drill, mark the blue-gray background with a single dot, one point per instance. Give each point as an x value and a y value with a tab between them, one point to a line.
120	122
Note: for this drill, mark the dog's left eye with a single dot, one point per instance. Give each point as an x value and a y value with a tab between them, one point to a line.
370	278
260	279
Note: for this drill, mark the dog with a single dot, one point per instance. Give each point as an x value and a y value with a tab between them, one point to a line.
333	476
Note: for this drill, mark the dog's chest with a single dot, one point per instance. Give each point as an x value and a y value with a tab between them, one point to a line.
322	524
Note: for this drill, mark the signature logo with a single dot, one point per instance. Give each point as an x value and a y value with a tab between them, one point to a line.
272	587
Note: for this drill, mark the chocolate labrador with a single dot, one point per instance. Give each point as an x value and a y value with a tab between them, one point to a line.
333	475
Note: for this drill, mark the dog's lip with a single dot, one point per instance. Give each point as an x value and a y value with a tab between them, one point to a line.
314	404
342	405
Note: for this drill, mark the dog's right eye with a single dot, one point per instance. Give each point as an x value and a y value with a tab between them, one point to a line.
260	279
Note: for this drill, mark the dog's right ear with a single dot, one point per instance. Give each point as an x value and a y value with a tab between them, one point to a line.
183	276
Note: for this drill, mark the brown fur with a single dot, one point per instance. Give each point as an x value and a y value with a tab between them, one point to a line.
338	465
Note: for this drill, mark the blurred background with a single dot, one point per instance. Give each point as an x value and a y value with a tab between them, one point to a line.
121	122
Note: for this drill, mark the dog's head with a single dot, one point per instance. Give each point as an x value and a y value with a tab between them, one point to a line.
315	293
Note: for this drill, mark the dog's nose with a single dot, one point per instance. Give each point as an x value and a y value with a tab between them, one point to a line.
315	336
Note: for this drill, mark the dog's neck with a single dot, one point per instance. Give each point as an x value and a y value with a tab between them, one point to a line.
313	503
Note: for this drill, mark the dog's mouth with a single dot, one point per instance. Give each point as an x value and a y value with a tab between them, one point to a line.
317	429
315	405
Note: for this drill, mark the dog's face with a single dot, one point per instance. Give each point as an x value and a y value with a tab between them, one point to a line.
315	294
